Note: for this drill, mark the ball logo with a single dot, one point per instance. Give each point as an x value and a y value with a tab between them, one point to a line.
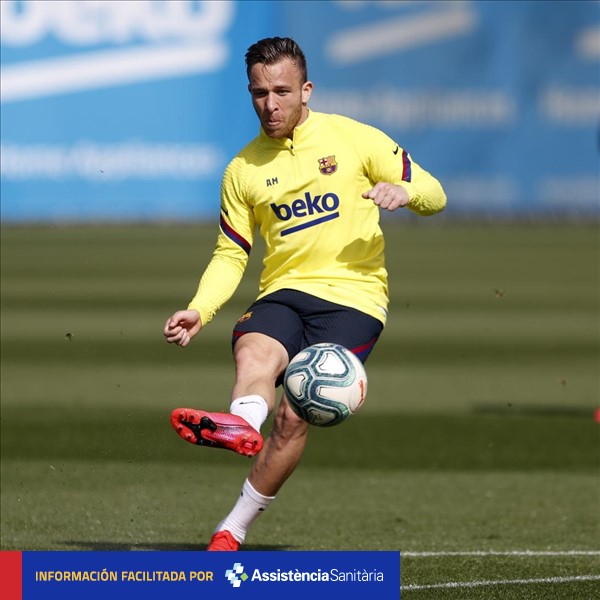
236	575
325	205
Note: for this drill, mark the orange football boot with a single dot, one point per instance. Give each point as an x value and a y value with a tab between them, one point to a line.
223	541
217	430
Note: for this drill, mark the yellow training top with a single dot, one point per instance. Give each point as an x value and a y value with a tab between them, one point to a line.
304	195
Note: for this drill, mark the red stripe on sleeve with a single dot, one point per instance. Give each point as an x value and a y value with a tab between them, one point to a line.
406	167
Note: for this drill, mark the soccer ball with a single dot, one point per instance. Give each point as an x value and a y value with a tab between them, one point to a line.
325	384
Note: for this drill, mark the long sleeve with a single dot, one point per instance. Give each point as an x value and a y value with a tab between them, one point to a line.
426	194
217	284
385	160
228	263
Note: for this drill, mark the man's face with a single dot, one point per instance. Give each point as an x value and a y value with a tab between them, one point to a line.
279	97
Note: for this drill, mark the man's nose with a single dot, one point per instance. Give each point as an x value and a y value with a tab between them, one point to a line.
271	102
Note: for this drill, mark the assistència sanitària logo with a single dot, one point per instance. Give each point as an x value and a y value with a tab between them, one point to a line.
236	574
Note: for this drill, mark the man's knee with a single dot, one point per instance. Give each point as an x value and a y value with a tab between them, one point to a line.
287	425
255	352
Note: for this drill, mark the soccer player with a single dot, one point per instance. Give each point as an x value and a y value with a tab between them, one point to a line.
313	185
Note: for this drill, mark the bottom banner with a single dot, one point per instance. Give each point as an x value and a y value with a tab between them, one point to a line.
73	575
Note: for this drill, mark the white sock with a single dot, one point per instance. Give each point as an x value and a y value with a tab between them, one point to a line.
252	408
250	505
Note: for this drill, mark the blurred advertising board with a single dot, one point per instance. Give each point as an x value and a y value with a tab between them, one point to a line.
130	110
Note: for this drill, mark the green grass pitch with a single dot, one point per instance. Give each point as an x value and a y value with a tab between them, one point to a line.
475	454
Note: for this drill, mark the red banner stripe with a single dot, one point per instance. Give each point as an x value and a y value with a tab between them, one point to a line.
11	566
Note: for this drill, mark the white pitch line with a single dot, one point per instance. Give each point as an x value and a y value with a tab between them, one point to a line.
504	553
484	583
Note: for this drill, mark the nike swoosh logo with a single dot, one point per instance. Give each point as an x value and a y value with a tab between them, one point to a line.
397	148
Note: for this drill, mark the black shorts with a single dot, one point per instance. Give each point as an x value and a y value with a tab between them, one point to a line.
298	320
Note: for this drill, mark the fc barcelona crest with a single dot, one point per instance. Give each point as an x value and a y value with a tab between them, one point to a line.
327	165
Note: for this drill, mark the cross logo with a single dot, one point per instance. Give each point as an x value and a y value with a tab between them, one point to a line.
236	575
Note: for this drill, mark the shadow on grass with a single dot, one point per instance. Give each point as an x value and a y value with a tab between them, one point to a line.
473	441
98	546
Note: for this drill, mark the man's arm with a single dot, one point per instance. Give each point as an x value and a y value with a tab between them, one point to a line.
398	181
226	267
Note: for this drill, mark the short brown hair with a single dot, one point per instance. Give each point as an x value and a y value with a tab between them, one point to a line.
271	50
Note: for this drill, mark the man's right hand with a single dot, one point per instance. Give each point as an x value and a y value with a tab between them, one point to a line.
182	326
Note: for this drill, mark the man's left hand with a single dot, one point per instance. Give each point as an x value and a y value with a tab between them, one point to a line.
388	196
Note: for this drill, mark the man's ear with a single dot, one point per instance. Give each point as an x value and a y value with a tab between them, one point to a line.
306	91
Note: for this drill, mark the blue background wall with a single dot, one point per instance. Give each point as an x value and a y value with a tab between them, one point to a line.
131	110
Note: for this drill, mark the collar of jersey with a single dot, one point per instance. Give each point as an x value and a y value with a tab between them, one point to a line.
301	132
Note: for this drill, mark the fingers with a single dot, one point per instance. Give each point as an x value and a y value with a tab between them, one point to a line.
174	330
173	334
387	196
178	335
382	196
181	327
168	327
183	339
172	326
